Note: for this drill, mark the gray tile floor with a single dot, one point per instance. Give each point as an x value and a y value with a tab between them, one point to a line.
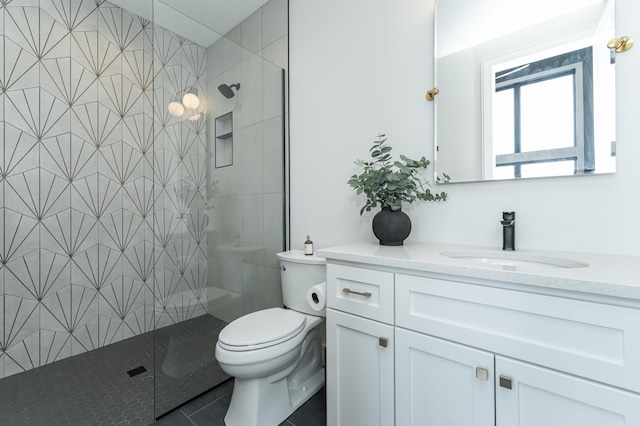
94	388
210	408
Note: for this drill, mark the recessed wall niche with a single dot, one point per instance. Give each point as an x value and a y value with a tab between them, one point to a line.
224	140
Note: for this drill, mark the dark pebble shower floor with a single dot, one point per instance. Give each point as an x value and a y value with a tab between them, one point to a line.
94	388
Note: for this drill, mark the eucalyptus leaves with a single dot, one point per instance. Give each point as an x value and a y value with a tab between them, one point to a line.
388	183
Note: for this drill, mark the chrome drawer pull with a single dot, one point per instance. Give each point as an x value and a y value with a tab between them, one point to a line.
347	290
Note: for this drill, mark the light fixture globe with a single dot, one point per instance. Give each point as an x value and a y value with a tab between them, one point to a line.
190	100
175	108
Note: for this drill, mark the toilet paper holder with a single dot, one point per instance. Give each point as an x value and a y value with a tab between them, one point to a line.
317	297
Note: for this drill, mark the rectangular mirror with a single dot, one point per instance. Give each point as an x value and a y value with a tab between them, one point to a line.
526	91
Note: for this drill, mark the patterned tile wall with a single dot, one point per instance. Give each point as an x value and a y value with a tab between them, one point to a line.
91	165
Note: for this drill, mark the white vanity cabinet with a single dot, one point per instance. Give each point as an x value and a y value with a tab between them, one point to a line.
542	356
414	347
440	382
360	347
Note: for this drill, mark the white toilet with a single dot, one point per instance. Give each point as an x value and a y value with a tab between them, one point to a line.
275	354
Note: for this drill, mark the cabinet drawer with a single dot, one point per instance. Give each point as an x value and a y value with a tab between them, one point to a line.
588	339
362	292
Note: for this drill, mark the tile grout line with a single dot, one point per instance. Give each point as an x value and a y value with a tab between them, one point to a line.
191	421
200	409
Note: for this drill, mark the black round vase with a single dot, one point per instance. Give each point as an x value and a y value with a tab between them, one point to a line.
391	227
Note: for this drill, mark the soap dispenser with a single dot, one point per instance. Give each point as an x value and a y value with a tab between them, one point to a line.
308	247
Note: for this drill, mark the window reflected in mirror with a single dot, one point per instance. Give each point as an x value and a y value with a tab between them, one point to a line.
527	92
539	115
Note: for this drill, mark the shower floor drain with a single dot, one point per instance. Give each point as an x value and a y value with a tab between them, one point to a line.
136	371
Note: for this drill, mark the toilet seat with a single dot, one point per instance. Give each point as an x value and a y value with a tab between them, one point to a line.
261	329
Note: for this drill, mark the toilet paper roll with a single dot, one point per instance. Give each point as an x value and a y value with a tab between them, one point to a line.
317	296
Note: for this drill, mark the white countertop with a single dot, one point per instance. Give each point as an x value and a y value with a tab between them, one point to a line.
617	276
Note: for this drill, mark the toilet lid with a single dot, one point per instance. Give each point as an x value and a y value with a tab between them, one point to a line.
262	328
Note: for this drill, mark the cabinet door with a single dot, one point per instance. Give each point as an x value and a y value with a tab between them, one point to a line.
359	371
541	397
442	383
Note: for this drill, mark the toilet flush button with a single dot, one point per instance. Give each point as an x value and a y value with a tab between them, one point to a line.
304	389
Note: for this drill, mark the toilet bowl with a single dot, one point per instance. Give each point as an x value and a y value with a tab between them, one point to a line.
275	354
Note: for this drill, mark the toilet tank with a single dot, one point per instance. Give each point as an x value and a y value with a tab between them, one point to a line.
298	273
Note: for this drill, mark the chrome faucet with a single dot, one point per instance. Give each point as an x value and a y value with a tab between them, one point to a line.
508	230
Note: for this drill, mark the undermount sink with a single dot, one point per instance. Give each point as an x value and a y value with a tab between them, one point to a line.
513	259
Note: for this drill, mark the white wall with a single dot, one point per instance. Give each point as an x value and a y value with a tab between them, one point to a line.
362	67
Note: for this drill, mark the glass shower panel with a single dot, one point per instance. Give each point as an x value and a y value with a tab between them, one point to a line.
217	229
109	215
185	335
246	198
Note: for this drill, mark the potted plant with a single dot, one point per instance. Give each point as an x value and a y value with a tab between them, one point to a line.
388	184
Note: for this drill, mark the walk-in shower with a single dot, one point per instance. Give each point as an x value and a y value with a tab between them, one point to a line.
115	269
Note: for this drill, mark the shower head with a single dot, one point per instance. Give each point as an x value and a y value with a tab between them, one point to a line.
227	91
